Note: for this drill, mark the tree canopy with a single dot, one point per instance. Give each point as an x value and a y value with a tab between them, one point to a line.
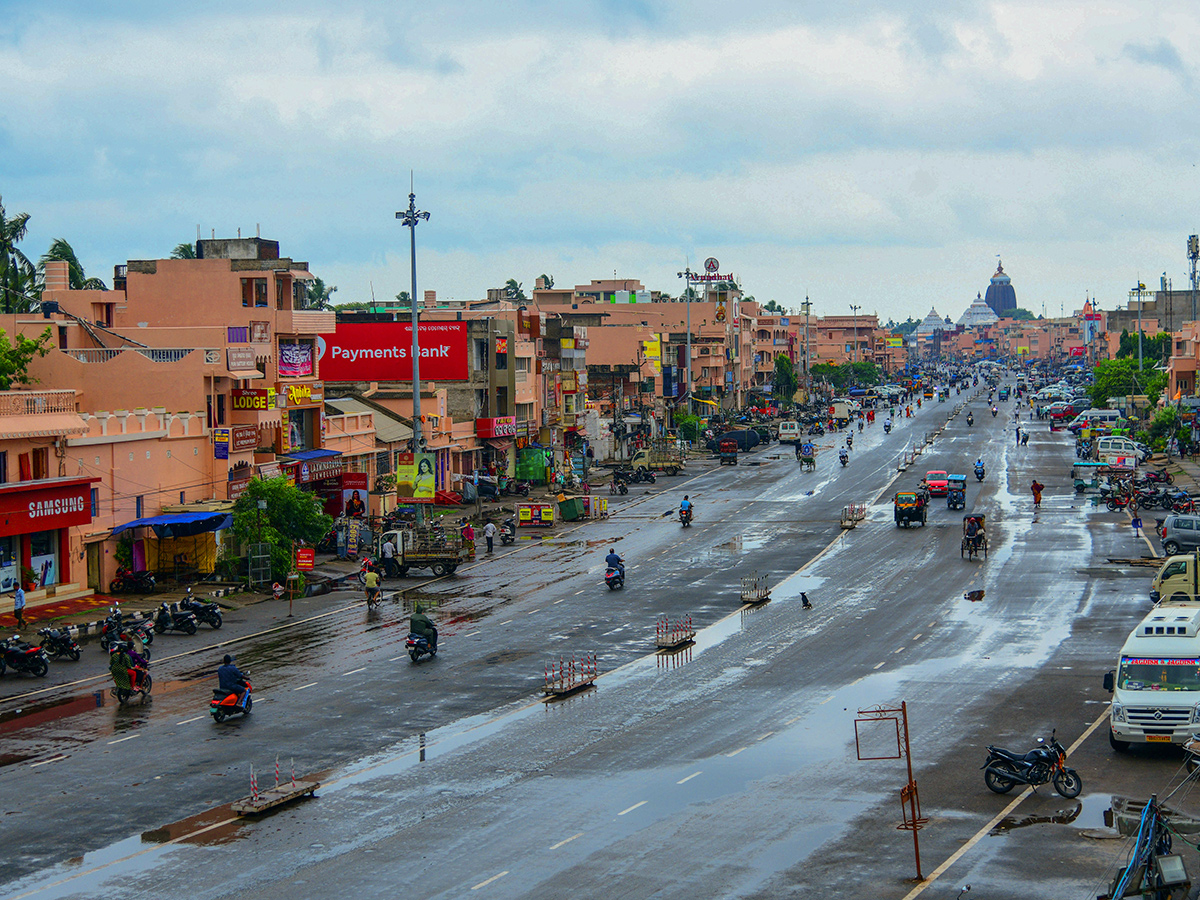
861	374
772	307
15	357
292	516
61	251
785	381
17	274
514	290
1121	378
1157	348
908	326
318	295
184	251
1020	314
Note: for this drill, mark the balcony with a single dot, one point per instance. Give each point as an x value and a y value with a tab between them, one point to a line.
312	321
26	403
154	354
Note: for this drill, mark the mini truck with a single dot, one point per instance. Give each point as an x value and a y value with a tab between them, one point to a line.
660	458
439	551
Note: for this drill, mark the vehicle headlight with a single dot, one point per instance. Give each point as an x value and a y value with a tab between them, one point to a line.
1118	713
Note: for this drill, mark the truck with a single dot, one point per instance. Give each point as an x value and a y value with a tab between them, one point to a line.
439	550
1177	580
664	456
1156	685
841	412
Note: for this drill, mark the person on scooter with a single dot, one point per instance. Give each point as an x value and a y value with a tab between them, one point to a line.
422	625
843	455
850	441
613	560
685	507
231	679
120	666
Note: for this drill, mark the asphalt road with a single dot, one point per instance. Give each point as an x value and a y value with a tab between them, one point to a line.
728	769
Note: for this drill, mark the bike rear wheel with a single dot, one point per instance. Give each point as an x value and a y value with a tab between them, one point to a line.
995	777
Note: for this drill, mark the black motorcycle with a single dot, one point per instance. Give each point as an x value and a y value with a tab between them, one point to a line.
980	472
166	620
205	611
816	429
19	656
508	532
617	486
58	643
116	629
1044	764
418	646
131	581
970	420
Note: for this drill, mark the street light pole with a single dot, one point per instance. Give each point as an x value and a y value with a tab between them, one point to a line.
855	310
686	275
409	218
807	362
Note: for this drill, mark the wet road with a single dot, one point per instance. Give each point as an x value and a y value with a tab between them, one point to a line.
724	770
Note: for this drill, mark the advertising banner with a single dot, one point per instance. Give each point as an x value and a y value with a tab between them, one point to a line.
354	494
498	427
306	558
415	481
43	509
295	360
220	443
381	351
309	393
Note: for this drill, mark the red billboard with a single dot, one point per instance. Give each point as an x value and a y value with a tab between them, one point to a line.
25	509
382	351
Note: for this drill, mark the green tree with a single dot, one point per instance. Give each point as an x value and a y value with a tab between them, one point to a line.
1157	348
772	307
860	374
908	326
403	297
1020	314
688	427
292	517
15	358
184	251
785	383
318	295
512	288
351	305
77	279
1121	377
16	271
548	280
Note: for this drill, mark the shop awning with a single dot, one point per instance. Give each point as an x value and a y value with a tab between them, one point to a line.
311	454
42	425
245	373
499	445
180	524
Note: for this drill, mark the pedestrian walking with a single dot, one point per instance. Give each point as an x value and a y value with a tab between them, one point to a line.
19	606
1024	438
1018	435
1036	488
489	532
389	558
468	536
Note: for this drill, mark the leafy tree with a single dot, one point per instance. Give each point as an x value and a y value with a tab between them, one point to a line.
1121	377
319	295
688	427
77	279
1157	348
1020	314
548	280
16	271
512	287
184	251
403	297
772	307
352	305
908	326
785	381
862	373
15	358
292	517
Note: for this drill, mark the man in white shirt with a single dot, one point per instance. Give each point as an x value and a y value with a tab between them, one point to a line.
389	557
489	532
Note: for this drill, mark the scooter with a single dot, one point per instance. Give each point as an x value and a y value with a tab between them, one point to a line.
140	682
617	487
19	656
165	620
685	518
613	578
226	703
843	458
418	646
59	643
205	611
508	532
979	473
970	420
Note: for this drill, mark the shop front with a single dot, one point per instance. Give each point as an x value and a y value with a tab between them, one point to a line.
35	530
309	469
498	436
303	424
347	495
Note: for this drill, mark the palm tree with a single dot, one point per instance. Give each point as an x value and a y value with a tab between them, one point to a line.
318	294
15	268
513	288
548	280
184	251
77	280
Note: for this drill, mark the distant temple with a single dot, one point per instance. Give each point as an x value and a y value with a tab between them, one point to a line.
1001	297
978	313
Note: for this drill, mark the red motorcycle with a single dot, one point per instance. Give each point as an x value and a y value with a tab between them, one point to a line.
1121	501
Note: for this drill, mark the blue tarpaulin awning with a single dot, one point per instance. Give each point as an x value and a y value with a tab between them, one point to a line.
180	524
311	454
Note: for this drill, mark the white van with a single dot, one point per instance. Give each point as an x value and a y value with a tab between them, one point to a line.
789	432
1119	445
1094	417
1156	687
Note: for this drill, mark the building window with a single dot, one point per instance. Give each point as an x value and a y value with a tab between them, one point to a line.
524	412
139	506
95	502
238	335
41	462
481	355
254	292
279	294
4	467
220	409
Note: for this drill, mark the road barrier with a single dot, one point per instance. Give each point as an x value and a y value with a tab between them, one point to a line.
755	589
570	675
261	801
853	513
670	636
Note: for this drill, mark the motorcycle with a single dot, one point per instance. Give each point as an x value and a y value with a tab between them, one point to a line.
618	487
371	564
135	582
685	517
816	429
114	629
205	611
418	646
58	643
165	620
19	656
994	411
970	420
1159	476
643	475
849	442
508	532
1121	501
227	703
140	682
613	578
980	472
843	458
887	427
1043	764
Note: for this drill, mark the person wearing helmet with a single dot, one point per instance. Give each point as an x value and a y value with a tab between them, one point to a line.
230	678
421	624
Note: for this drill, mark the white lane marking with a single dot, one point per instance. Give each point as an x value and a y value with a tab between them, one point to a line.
860	678
128	737
765	736
566	841
472	634
577	593
880	666
736	752
900	650
192	719
354	671
632	808
796	718
556	602
393	659
689	778
532	611
917	638
305	687
490	880
46	762
506	622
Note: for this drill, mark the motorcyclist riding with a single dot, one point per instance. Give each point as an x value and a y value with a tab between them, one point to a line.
230	678
850	441
685	507
614	561
421	624
843	455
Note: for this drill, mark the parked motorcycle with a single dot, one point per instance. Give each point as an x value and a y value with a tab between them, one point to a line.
508	531
618	487
133	582
685	518
165	620
613	578
514	487
1155	475
116	629
1044	764
227	703
19	656
417	646
1121	501
205	611
58	643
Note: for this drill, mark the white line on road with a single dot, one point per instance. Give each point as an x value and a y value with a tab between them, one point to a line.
879	666
765	736
354	671
393	659
632	808
490	880
472	634
532	611
795	718
566	841
917	638
128	737
901	650
736	752
305	687
577	593
192	719
556	602
46	762
506	622
689	778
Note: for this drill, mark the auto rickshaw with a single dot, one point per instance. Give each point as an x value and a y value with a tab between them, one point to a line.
956	492
909	507
806	455
1087	475
727	452
974	539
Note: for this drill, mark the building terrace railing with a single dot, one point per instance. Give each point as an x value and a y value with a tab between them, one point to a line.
24	403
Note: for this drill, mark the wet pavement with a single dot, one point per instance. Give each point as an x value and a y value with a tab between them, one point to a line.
725	769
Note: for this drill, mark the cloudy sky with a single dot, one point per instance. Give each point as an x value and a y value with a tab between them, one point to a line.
875	153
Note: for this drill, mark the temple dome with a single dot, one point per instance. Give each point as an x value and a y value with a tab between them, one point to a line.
1001	297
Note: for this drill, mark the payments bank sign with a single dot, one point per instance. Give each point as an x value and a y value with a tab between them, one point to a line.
382	351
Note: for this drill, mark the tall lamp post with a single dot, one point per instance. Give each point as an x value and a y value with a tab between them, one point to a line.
854	309
1138	292
409	218
807	363
686	275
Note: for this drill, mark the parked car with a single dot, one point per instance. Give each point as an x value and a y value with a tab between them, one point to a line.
1179	533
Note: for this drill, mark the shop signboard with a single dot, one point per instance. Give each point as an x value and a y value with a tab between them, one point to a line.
498	427
306	559
240	359
535	515
243	438
253	398
220	443
300	394
415	479
382	351
237	484
311	470
46	508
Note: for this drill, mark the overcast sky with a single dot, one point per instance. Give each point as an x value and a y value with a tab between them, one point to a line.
880	154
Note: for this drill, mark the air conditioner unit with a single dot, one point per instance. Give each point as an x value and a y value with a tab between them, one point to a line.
539	348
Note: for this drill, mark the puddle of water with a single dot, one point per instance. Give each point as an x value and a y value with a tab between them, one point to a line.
49	711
